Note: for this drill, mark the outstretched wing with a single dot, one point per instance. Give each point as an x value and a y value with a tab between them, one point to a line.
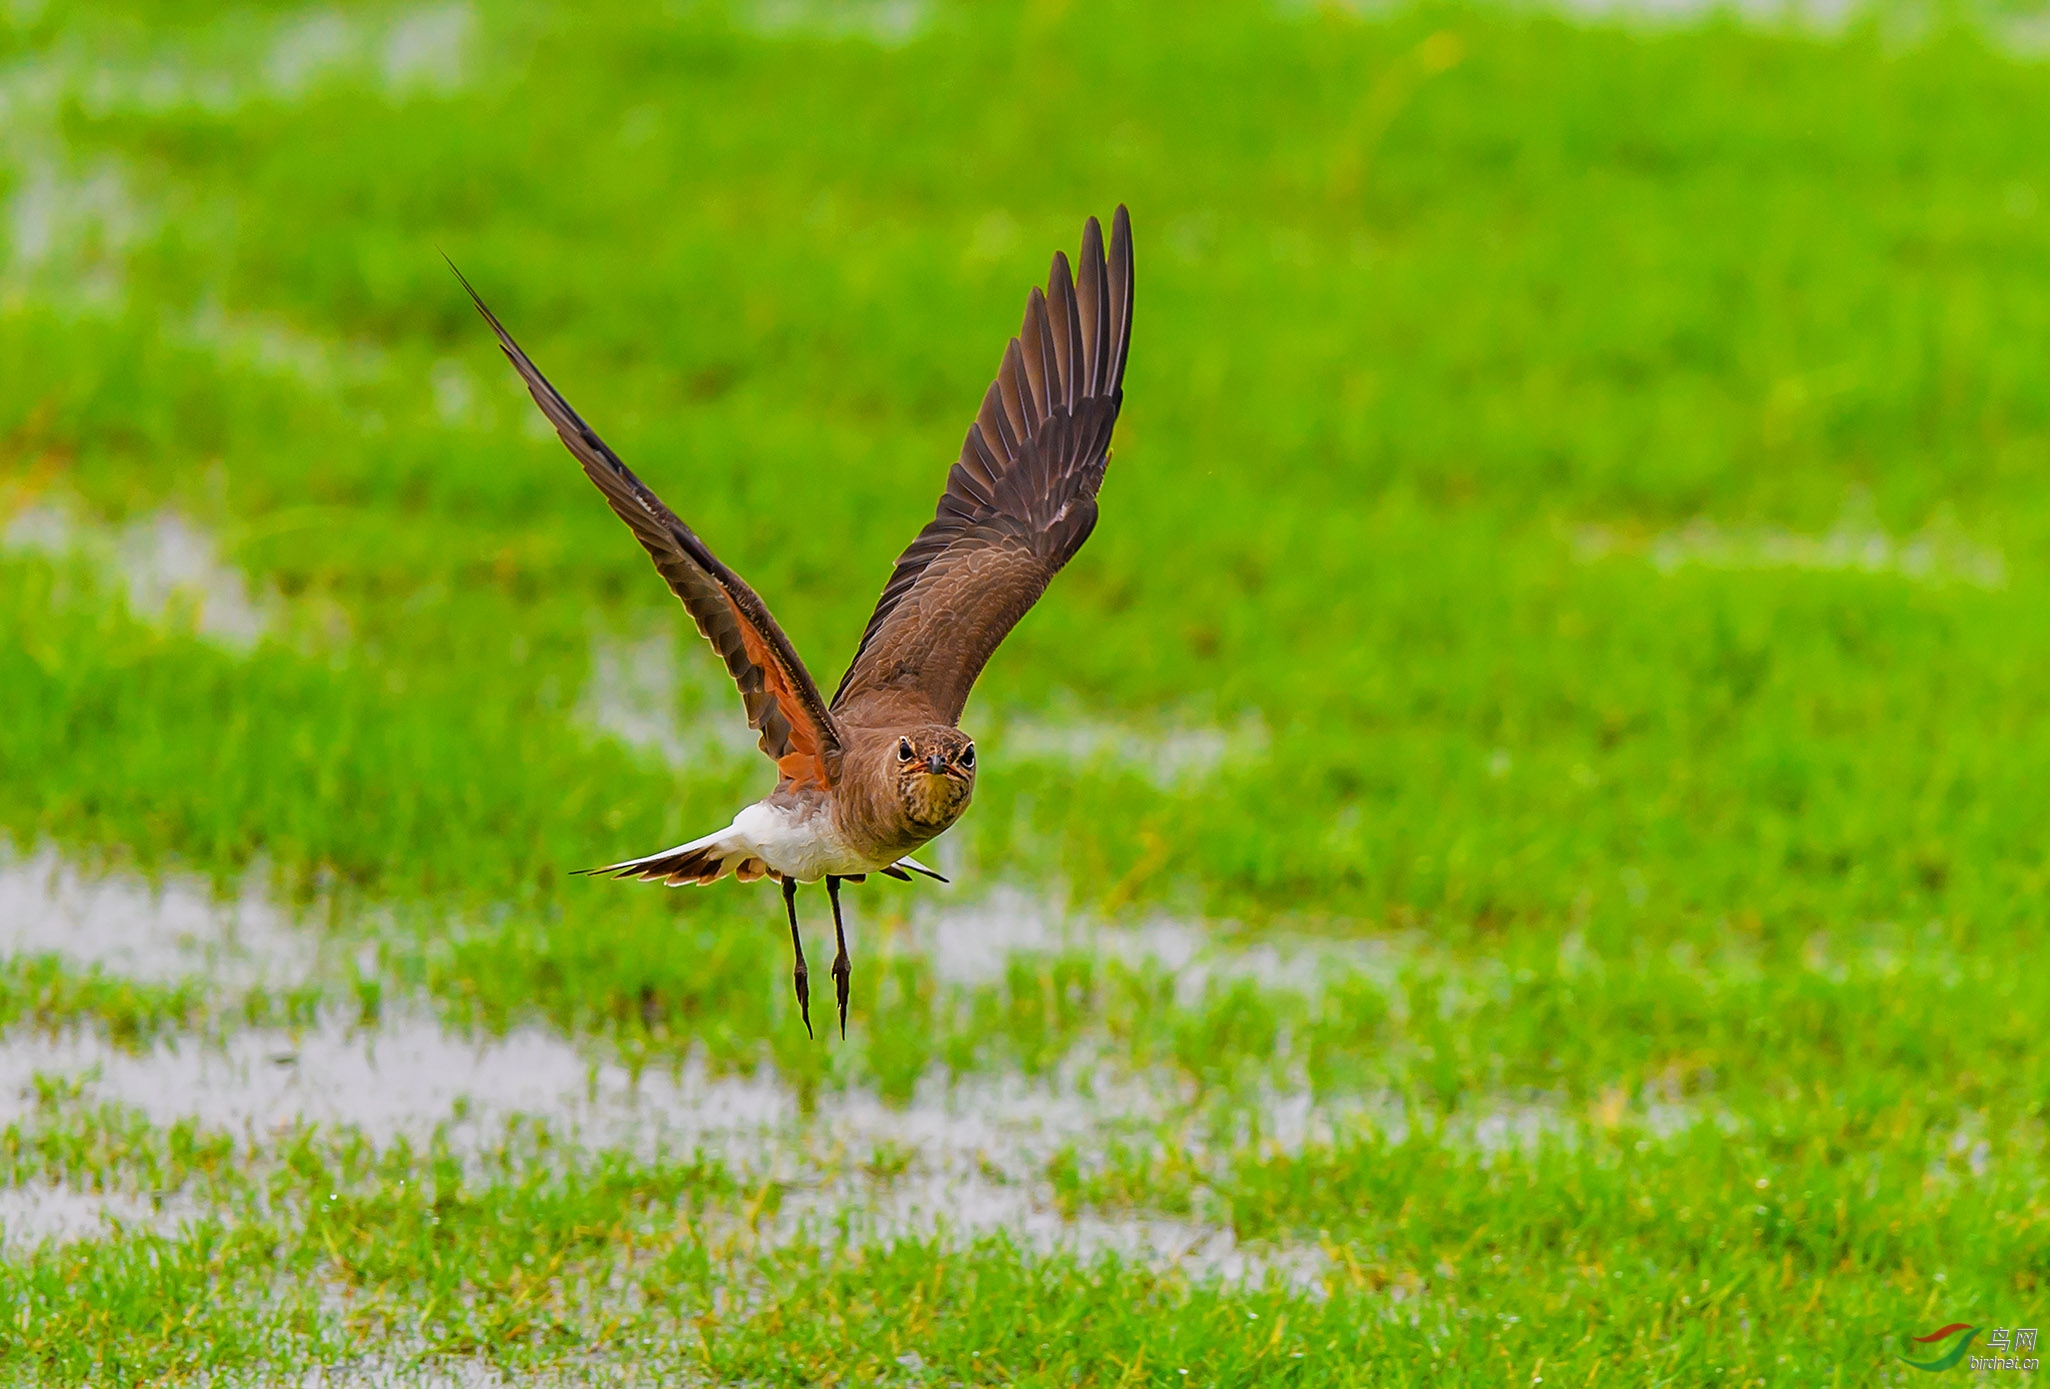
798	733
1021	500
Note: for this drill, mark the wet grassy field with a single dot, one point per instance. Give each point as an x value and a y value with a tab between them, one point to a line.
1516	854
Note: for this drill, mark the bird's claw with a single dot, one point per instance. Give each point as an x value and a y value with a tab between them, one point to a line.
799	976
842	972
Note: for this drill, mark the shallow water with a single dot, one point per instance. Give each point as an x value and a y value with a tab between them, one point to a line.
166	563
973	942
683	711
967	1156
32	1215
158	933
1854	544
1178	751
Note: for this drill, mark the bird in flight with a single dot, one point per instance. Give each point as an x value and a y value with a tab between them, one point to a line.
865	781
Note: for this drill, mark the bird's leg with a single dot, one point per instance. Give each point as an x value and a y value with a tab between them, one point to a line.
842	970
800	976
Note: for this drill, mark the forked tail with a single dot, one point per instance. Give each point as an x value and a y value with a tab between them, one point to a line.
709	859
701	861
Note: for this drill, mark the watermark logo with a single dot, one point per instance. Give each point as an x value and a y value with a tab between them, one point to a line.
2010	1348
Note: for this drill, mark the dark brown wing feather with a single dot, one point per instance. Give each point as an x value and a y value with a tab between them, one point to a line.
1022	498
798	733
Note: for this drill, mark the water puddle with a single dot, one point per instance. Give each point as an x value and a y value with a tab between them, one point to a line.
167	564
384	1371
968	1205
1855	544
69	227
1181	751
72	222
32	1215
2019	32
971	1162
426	49
405	1078
241	59
973	943
684	711
277	348
888	23
968	1156
154	933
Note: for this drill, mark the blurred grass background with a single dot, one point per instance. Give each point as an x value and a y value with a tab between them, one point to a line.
1592	476
1453	323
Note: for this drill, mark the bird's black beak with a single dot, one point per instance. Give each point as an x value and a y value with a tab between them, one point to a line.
936	764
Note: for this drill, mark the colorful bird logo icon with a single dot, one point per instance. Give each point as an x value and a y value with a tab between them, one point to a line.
1950	1357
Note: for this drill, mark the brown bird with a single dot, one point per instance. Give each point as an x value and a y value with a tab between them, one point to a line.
863	782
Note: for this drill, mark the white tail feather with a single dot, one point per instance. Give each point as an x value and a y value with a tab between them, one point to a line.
740	849
915	866
701	861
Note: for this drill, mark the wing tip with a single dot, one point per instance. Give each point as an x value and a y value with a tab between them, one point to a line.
471	290
1121	288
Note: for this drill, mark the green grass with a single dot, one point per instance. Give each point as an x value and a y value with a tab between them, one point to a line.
43	991
1450	322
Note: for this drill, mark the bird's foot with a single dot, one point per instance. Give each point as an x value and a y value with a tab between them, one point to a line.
801	978
842	972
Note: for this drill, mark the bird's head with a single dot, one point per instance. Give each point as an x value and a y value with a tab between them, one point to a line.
935	773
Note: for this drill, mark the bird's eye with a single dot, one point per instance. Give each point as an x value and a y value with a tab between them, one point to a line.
903	749
968	757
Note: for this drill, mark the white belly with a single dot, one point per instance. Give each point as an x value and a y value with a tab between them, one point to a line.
797	843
